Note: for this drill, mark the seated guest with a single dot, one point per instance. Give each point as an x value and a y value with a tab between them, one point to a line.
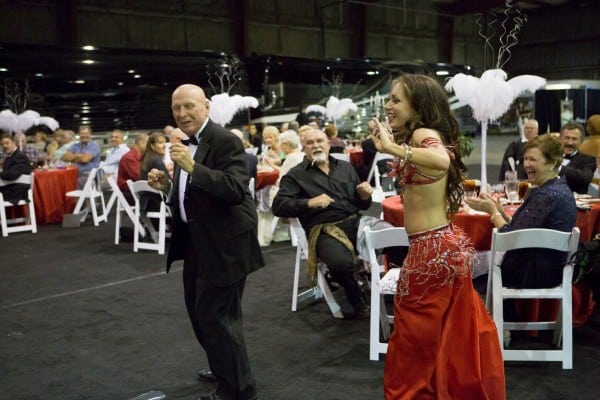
289	142
40	134
254	138
577	168
591	145
336	145
514	150
251	158
15	164
326	195
271	149
152	158
548	204
85	154
64	140
130	165
117	150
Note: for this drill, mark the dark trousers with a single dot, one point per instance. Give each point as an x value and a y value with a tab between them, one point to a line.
341	263
216	316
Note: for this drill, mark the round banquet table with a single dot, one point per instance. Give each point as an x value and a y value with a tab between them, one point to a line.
479	228
50	187
266	178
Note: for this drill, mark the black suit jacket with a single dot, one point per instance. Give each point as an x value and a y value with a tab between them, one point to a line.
15	165
222	219
514	150
579	172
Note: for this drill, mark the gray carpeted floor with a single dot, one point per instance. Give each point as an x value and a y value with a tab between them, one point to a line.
82	318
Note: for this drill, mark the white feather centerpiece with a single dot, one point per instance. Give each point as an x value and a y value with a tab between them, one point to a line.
224	107
11	122
334	109
490	97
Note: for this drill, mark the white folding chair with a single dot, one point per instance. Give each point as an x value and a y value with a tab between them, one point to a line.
21	224
341	156
380	286
496	293
92	192
159	242
120	202
321	289
379	193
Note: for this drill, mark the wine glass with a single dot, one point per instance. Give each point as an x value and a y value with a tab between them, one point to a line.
511	186
523	188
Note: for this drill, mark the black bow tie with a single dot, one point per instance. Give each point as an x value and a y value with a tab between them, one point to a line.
191	140
568	156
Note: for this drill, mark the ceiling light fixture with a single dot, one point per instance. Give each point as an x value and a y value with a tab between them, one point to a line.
89	61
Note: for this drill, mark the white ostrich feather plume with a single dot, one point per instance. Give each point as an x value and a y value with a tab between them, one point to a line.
27	119
335	108
491	95
223	107
12	122
8	121
49	122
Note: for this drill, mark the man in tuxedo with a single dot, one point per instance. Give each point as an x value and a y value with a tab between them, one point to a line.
15	164
214	232
577	168
514	150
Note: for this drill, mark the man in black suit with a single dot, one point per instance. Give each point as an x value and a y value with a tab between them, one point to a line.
15	164
514	150
577	168
214	232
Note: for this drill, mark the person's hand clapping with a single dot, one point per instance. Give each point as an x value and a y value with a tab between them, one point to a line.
364	190
158	180
320	201
484	202
383	137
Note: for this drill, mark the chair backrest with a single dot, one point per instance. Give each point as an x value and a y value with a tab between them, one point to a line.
529	238
379	194
24	179
341	156
90	183
378	240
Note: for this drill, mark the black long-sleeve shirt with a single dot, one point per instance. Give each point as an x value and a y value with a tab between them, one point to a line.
305	181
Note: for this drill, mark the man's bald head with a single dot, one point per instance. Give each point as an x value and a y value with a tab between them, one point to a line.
190	108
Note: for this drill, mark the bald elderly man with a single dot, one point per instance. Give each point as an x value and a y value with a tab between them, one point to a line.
214	233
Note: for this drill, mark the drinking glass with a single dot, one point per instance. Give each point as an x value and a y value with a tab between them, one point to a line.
511	186
523	188
469	188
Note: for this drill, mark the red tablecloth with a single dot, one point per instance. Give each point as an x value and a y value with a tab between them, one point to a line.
356	155
49	191
265	178
479	228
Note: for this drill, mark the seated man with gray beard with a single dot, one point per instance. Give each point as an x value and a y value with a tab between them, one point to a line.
326	195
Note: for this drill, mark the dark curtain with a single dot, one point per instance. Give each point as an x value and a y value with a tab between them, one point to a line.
547	109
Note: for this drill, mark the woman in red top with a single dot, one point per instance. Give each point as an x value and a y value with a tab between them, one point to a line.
444	344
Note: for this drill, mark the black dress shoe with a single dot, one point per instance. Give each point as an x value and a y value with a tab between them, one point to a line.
206	375
360	312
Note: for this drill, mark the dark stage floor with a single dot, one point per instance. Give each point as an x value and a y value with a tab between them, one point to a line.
82	318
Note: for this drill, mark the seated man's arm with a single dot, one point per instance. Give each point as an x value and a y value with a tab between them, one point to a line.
288	203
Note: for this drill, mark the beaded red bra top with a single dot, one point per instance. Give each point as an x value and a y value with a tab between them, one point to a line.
406	171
